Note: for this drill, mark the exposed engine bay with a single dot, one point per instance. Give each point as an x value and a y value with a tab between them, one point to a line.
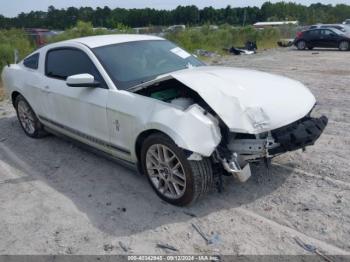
174	92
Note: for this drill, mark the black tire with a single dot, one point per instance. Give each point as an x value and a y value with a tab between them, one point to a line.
199	174
37	128
301	45
344	46
310	47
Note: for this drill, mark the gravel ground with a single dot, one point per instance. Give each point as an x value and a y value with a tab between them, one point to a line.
56	198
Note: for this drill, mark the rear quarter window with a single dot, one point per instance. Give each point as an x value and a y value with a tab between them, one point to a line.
32	61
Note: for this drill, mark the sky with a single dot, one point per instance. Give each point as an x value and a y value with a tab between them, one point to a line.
11	8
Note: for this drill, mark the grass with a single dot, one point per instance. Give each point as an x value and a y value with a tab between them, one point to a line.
9	41
224	37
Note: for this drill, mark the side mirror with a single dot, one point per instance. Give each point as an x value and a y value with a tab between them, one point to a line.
82	80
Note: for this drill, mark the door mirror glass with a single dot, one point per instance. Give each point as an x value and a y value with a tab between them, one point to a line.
82	80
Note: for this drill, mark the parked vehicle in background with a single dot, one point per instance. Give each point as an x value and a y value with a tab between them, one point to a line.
343	28
346	22
151	104
327	38
176	28
263	25
39	36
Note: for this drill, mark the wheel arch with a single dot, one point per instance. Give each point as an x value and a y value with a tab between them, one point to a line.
139	141
142	136
14	95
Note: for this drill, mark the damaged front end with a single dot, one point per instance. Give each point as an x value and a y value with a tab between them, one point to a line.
239	150
251	125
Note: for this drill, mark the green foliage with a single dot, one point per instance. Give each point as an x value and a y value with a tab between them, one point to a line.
224	37
80	30
86	29
9	41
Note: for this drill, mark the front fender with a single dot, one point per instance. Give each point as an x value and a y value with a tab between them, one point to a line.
191	129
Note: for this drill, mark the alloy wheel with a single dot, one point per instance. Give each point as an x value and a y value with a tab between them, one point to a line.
26	117
165	171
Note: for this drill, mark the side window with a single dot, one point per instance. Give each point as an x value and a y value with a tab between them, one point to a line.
326	32
61	63
32	61
314	33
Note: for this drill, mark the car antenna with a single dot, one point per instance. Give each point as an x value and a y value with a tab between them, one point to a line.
16	55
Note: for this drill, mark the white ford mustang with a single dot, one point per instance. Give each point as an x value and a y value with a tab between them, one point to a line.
149	103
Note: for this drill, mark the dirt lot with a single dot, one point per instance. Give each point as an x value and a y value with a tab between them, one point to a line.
56	198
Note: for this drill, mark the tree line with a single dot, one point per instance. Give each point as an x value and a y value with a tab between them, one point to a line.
55	18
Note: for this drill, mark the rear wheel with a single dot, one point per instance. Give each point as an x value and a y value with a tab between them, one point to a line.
301	45
344	46
174	178
27	118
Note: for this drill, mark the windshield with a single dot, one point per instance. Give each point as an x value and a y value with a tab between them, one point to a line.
132	63
337	31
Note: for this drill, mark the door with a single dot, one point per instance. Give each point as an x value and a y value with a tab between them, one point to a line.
328	38
313	38
79	112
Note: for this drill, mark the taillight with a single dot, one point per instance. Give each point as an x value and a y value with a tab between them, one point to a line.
299	34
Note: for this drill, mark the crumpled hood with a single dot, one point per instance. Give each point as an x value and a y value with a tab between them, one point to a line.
249	101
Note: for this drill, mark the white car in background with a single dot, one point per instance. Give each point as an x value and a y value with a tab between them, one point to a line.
341	27
145	101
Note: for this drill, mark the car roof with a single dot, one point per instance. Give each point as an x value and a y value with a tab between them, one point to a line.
319	29
327	25
103	40
335	30
332	25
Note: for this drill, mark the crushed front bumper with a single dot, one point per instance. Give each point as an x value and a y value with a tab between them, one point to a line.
298	135
241	149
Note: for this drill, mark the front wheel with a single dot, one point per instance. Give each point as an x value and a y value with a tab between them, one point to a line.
344	46
175	179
